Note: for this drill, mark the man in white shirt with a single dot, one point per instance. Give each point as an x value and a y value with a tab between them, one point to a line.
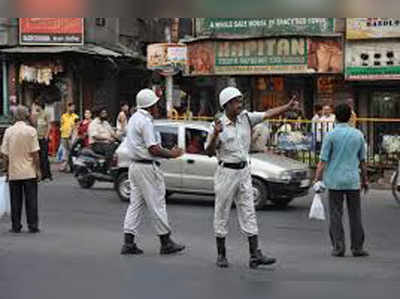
147	179
102	136
326	123
229	140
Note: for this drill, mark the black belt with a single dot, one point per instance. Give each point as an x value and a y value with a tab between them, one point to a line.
147	162
239	165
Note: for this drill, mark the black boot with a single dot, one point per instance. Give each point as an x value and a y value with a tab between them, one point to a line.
168	246
256	256
222	261
129	246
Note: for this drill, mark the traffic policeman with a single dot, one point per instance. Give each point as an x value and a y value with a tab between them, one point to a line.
146	178
229	139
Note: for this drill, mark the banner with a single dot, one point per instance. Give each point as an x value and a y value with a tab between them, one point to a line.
367	28
264	56
51	31
168	57
372	60
264	26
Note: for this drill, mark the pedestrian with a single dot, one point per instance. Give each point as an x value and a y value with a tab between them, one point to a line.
43	130
67	125
83	130
229	139
102	137
13	108
327	121
342	155
353	118
122	118
146	177
317	127
20	147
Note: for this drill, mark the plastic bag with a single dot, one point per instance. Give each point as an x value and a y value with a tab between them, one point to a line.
60	153
4	197
317	208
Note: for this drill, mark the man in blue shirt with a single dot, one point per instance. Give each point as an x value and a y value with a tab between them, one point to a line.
342	155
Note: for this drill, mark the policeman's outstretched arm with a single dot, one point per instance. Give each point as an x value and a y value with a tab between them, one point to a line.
293	104
158	151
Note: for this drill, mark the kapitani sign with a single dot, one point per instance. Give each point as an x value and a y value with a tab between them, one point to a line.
265	56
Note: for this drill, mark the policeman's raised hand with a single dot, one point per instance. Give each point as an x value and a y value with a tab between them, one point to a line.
176	152
218	127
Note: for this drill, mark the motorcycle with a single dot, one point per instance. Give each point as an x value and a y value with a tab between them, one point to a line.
90	167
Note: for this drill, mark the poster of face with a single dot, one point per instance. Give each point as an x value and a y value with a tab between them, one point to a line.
201	59
325	56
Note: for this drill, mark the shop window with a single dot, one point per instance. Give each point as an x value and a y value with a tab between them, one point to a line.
195	141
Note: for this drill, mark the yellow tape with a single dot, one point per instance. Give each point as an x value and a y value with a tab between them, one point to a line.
302	121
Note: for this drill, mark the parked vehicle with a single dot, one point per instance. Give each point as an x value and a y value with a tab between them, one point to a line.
276	179
90	167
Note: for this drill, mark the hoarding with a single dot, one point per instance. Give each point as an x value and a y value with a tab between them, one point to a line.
166	57
367	28
51	31
264	26
372	60
264	56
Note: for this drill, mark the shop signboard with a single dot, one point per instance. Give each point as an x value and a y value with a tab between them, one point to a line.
167	57
264	56
369	28
372	60
264	26
51	31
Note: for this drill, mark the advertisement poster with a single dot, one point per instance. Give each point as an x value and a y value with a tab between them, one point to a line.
367	28
167	56
51	31
372	60
264	56
325	56
264	26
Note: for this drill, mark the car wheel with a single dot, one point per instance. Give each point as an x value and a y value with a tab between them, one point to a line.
123	187
260	193
282	202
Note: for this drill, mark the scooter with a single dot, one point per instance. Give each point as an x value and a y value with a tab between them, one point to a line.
90	167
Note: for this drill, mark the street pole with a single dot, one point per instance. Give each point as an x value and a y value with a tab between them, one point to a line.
169	78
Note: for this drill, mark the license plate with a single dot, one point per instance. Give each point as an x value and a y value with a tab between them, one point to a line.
305	183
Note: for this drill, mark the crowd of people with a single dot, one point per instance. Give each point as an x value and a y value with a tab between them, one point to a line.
93	130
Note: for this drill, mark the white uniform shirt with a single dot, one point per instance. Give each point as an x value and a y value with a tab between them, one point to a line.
325	125
141	135
234	141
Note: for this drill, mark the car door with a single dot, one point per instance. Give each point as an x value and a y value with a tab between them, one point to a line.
172	168
198	168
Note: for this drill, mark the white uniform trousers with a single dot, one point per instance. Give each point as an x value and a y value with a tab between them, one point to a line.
234	185
147	189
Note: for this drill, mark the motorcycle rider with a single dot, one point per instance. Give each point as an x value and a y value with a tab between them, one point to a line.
102	136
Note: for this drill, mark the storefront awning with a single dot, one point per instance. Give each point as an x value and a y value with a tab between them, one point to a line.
86	49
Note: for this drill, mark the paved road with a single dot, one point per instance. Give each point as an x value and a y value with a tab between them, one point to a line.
77	254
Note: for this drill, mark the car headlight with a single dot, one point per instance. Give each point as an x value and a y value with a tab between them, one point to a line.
286	176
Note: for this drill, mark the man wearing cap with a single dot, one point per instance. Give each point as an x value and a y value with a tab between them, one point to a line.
147	179
229	139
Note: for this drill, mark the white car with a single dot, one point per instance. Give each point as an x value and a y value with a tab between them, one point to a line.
276	179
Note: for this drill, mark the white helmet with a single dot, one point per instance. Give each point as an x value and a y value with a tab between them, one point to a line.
228	94
146	98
